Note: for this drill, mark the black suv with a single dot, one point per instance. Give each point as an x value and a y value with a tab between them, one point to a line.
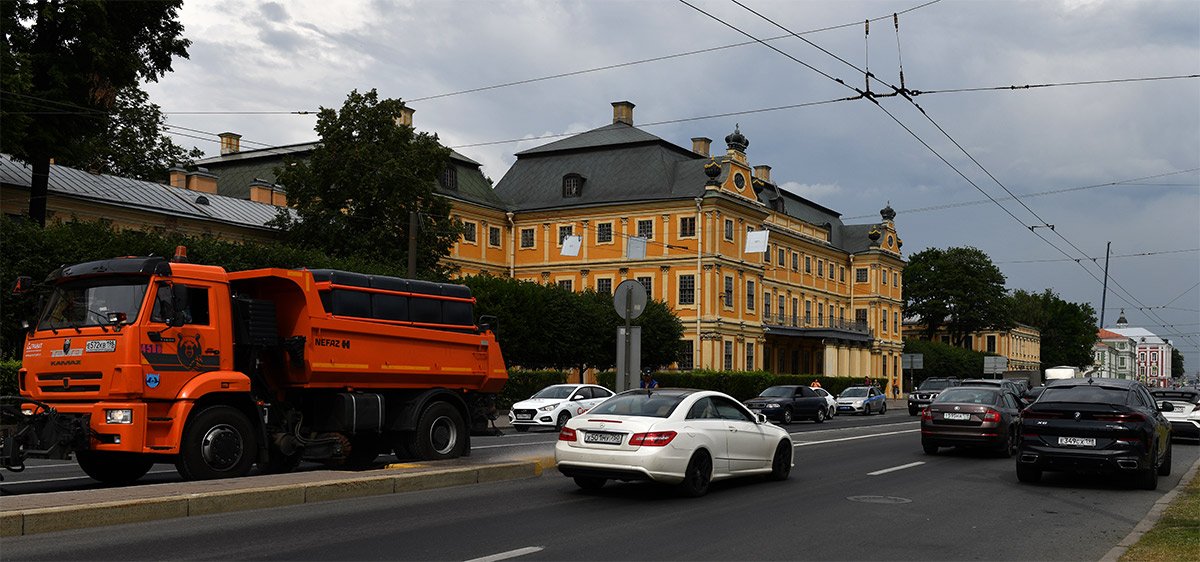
1095	425
924	394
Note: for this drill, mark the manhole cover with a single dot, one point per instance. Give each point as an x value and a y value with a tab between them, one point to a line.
878	499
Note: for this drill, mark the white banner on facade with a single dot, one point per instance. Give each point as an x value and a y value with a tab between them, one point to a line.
756	241
570	245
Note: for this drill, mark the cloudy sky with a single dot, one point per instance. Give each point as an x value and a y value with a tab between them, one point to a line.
1115	161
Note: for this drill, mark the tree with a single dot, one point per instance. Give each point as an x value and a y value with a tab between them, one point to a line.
132	144
1176	363
64	64
1068	330
941	360
959	289
353	194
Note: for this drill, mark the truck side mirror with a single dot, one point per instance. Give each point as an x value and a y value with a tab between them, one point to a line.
23	285
179	306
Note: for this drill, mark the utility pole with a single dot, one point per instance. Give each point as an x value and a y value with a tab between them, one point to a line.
1104	295
412	244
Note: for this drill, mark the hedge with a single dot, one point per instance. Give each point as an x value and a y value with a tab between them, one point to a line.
523	384
742	385
8	377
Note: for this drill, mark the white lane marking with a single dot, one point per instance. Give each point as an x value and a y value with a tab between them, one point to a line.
852	428
895	468
11	482
507	555
806	443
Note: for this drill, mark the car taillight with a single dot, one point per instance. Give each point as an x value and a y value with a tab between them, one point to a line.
1121	418
925	415
567	434
652	439
991	416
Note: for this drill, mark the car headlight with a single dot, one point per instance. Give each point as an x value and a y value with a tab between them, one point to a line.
549	408
118	416
772	406
858	402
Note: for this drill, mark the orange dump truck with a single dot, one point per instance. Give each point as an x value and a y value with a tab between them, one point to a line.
140	360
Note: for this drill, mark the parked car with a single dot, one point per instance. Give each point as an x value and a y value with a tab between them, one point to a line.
684	437
1096	425
972	416
1185	410
785	403
830	401
1006	384
861	400
927	391
554	405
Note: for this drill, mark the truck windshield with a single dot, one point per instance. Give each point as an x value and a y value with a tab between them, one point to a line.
87	302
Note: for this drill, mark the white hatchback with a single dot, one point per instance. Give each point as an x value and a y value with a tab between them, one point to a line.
554	405
673	436
1185	410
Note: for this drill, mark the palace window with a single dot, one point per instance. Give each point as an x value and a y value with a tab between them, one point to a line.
469	231
750	295
604	233
860	275
648	283
687	289
494	236
687	227
645	229
572	185
527	237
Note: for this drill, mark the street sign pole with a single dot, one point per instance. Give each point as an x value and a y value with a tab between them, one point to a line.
628	342
629	300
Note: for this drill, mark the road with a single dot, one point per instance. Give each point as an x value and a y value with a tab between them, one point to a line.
857	493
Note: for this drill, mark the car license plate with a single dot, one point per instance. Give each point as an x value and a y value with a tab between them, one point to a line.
1077	441
524	416
603	438
954	416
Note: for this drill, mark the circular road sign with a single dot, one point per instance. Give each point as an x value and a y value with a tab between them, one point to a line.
629	299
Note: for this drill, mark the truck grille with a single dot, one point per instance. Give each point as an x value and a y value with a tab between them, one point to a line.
69	383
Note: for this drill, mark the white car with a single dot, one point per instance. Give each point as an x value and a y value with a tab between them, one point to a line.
673	436
1185	413
554	405
829	401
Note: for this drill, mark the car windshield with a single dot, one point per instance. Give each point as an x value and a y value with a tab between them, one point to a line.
933	384
969	396
88	302
639	403
555	392
1177	396
855	392
1085	393
777	392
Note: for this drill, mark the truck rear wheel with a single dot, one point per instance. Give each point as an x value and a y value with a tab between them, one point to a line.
218	442
115	468
441	433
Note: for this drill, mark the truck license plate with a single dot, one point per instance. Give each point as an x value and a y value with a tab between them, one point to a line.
603	438
1077	441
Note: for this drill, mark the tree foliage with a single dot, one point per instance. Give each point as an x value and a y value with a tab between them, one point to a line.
958	289
942	360
1176	363
133	144
1068	330
352	196
64	65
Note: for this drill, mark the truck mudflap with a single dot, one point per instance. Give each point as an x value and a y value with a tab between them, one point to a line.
33	429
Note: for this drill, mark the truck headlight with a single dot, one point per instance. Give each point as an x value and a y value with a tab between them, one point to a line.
118	416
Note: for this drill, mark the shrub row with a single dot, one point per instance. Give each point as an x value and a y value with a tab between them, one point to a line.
8	377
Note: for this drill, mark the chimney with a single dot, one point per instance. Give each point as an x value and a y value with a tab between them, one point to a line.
763	173
178	177
267	193
700	145
231	143
202	180
406	116
623	112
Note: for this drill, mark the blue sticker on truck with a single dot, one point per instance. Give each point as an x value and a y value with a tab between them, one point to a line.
152	380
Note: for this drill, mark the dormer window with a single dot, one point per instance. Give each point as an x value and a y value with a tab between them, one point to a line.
449	179
572	185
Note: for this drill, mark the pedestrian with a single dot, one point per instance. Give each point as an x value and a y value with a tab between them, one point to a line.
895	390
867	380
648	381
816	383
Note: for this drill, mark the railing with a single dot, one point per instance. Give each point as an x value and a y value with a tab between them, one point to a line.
787	320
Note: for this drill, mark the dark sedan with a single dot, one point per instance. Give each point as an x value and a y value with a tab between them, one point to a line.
1095	425
786	403
972	417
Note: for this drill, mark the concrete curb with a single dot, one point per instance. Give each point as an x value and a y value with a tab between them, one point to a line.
50	519
1152	517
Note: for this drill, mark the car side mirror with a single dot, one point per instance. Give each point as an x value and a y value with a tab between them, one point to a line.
760	418
1166	407
577	397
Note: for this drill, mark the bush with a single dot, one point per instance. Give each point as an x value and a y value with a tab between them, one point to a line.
742	385
8	377
522	385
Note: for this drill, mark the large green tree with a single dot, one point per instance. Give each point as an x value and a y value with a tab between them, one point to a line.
1176	363
353	194
64	63
1068	329
133	143
958	289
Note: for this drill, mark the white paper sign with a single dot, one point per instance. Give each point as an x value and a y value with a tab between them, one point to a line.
636	250
570	245
756	241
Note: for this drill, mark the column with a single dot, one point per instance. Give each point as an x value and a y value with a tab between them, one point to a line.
830	360
843	359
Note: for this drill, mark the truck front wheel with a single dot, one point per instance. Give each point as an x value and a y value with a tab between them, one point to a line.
112	467
218	442
441	433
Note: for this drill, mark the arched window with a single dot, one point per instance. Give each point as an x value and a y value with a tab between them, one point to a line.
572	185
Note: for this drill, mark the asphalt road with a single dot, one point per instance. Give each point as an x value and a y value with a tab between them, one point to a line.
857	493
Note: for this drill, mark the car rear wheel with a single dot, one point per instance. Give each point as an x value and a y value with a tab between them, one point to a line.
1010	445
930	448
1028	474
787	416
820	417
781	464
590	483
562	420
697	476
832	412
1164	469
883	409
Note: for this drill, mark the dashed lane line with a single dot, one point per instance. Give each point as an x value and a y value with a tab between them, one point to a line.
895	468
807	443
509	554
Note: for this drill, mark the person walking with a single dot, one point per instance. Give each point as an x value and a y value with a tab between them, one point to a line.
816	383
648	381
